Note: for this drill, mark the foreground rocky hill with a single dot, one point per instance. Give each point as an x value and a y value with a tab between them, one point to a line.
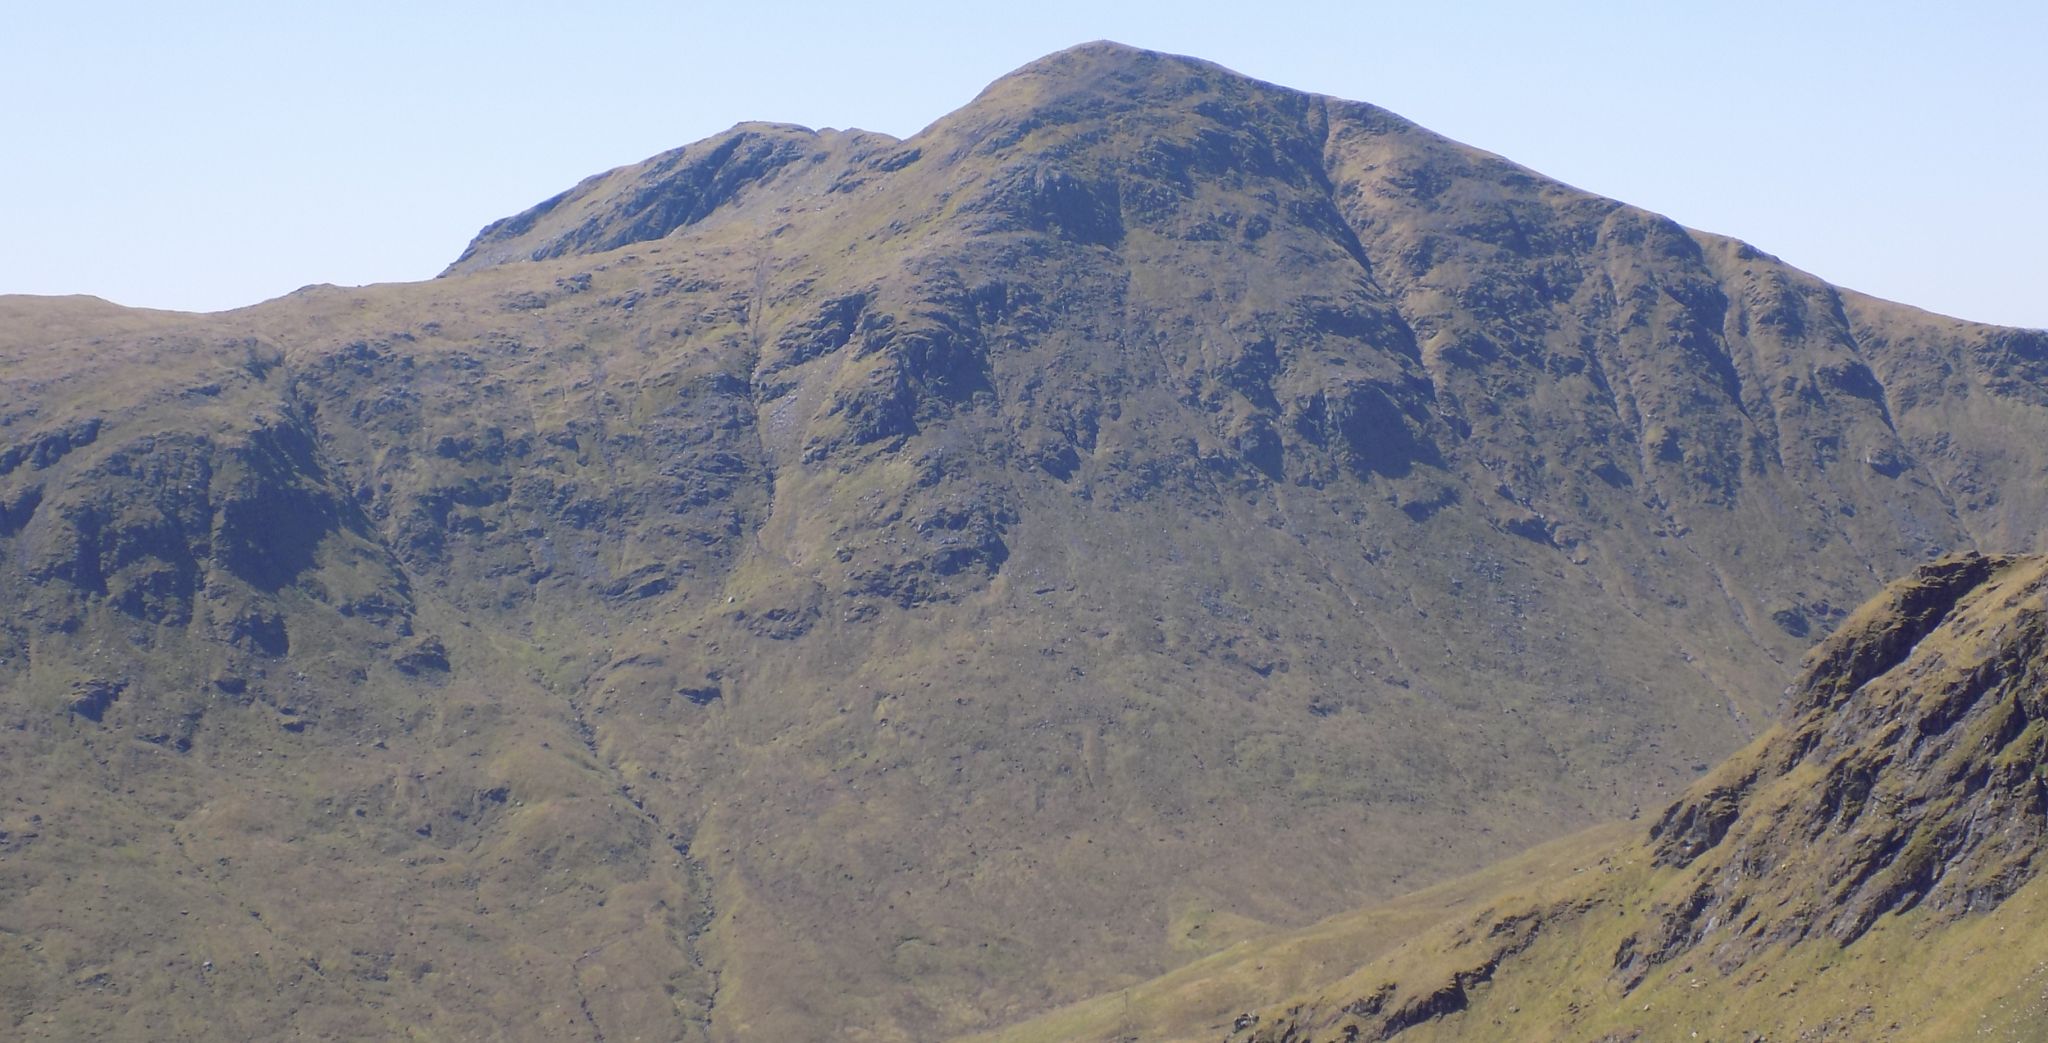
812	583
1869	870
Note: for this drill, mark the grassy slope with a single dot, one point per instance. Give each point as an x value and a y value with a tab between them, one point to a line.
1810	918
1202	999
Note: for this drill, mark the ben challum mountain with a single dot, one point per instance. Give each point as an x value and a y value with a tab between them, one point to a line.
1108	565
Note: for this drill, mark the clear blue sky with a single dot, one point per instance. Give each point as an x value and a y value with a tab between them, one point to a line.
210	155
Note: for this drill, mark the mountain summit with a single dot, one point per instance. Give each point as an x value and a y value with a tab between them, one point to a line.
814	584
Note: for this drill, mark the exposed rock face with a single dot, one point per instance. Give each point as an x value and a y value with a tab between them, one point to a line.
1910	774
753	162
920	560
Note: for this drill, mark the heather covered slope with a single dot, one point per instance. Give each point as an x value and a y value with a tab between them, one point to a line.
1868	870
892	586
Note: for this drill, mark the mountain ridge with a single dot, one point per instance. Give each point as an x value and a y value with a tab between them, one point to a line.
928	590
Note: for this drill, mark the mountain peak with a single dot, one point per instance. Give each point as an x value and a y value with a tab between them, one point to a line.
1107	76
937	571
1099	57
1126	97
676	189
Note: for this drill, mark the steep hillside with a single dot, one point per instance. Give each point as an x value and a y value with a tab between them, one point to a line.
815	583
1869	870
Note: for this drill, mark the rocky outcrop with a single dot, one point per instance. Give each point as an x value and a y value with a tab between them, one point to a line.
1909	774
675	190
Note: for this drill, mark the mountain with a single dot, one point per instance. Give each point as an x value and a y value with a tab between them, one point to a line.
815	584
1867	870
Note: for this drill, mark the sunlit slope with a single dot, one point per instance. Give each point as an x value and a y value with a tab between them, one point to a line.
914	585
1868	870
